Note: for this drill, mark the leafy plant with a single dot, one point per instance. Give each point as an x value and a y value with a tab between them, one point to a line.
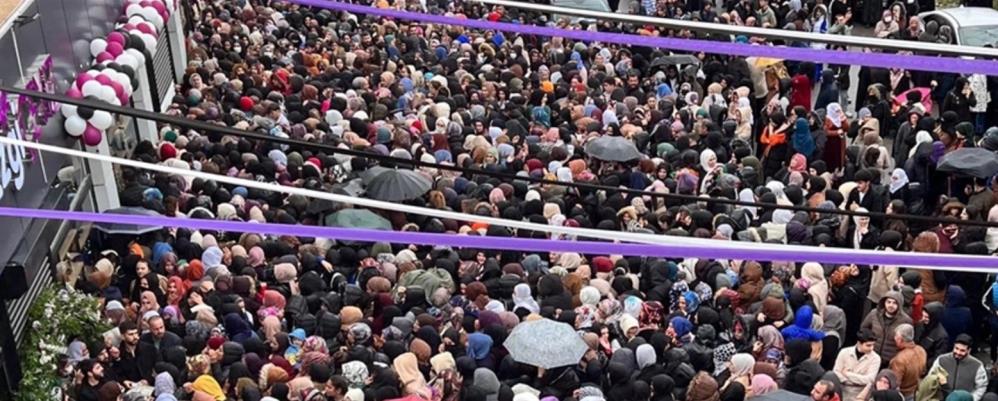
58	315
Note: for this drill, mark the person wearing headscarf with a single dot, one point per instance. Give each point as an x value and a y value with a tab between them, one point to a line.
207	384
486	381
411	379
803	142
480	349
446	381
703	387
523	298
740	371
836	126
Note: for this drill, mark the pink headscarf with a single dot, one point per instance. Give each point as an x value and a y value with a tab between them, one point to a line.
256	256
762	384
497	196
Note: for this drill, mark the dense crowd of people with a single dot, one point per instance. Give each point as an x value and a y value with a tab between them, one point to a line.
202	315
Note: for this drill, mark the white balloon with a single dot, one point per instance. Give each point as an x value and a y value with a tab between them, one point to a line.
126	59
75	125
133	9
93	72
108	71
150	42
116	101
68	110
122	79
141	58
101	119
151	15
92	88
97	46
107	93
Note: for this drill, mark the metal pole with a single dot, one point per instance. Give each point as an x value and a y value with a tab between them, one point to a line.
796	36
17	55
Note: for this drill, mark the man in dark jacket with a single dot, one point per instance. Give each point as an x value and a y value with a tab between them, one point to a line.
159	337
964	372
930	332
803	371
882	322
867	195
137	358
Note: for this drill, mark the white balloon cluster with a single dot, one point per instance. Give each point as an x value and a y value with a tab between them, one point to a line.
117	58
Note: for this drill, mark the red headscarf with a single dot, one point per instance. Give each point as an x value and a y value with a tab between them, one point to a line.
181	290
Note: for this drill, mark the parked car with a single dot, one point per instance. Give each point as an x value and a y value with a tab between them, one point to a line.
971	26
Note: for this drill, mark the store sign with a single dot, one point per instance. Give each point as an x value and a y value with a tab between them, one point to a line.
24	119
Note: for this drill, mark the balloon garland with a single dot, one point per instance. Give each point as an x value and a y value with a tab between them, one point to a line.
112	78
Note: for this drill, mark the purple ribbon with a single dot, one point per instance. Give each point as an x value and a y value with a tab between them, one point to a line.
841	57
943	261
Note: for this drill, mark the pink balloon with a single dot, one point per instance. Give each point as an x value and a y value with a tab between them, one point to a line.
104	79
118	89
128	27
159	6
92	136
145	28
115	48
74	93
104	56
145	3
82	78
116	37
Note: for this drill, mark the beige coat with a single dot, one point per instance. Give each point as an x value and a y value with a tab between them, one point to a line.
881	281
855	373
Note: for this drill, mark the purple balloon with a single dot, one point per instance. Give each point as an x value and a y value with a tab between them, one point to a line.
92	136
116	37
74	93
115	48
82	78
104	79
104	56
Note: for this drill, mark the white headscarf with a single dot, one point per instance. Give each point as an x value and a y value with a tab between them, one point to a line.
920	138
522	298
834	114
705	157
899	178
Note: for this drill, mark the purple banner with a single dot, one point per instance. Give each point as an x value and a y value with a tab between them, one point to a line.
880	60
938	261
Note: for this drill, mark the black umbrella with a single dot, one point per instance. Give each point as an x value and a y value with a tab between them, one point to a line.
675	59
129	229
975	162
396	185
612	148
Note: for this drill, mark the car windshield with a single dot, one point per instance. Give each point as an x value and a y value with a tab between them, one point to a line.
979	35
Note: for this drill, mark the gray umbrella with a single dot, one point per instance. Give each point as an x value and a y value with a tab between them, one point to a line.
612	148
128	229
358	218
396	185
975	162
546	344
354	187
